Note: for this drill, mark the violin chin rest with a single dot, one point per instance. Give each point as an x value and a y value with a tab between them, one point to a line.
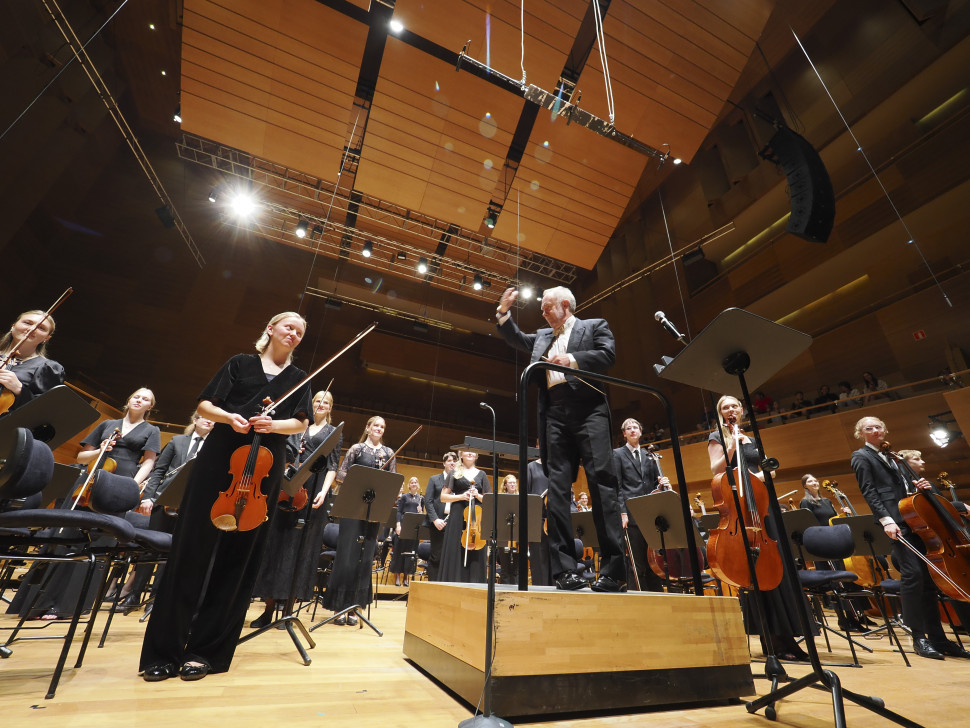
225	522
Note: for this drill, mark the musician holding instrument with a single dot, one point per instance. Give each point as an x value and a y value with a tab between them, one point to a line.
295	537
885	483
437	512
574	427
28	372
637	474
779	605
463	554
350	578
205	592
820	506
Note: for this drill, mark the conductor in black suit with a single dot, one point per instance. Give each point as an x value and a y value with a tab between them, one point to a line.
574	426
637	474
435	509
884	483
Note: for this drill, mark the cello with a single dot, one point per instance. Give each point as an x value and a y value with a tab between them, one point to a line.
934	519
726	553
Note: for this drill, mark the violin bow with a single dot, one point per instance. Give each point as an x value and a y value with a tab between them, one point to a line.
934	567
47	314
394	455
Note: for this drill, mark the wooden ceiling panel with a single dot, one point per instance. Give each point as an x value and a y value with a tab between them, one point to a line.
443	136
493	32
255	76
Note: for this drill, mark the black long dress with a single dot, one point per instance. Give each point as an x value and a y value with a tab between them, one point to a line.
66	580
453	566
293	552
350	579
37	375
407	503
821	508
779	603
204	594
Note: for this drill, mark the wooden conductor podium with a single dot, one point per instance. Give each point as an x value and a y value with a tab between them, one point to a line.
565	652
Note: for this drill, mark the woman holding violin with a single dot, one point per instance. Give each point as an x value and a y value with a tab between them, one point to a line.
350	579
295	537
28	372
463	556
410	501
202	600
780	609
886	483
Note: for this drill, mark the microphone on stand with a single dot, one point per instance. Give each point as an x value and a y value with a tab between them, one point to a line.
662	319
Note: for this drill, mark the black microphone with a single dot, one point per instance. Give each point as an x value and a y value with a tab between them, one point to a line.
671	329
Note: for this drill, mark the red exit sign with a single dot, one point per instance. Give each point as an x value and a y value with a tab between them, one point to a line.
919	335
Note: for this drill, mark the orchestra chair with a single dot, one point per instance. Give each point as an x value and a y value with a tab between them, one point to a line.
424	553
829	544
325	563
889	600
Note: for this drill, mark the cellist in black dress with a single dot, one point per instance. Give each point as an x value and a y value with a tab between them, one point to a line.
206	589
296	535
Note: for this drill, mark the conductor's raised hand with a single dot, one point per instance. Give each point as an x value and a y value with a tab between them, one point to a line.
508	299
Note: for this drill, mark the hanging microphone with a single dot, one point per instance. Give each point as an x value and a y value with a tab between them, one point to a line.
483	405
671	329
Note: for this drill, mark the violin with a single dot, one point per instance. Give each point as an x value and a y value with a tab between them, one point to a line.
82	494
471	536
699	504
670	563
242	506
935	520
726	548
941	479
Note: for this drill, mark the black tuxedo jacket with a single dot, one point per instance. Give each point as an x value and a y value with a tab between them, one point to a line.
172	456
882	486
590	343
634	478
432	499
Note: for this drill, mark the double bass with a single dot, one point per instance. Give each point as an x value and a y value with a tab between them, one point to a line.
858	563
934	519
726	552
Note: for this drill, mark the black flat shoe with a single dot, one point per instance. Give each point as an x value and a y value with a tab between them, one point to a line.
341	620
127	604
351	620
193	672
923	648
568	581
262	620
605	584
950	649
157	673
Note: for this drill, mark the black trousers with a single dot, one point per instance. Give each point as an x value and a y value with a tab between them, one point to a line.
437	538
578	429
917	591
638	545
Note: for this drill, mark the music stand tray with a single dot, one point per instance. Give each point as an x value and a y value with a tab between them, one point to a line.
584	528
865	531
709	521
54	417
508	514
414	527
171	497
659	513
483	446
312	465
62	482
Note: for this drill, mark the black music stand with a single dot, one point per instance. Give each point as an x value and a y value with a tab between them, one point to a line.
507	517
291	485
482	446
736	349
416	524
172	496
660	522
870	540
709	521
54	417
364	493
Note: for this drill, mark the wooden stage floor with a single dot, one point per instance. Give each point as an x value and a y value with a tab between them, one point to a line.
362	680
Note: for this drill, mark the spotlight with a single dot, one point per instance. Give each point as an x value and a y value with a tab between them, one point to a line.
676	160
368	249
317	231
526	292
490	219
396	26
212	195
940	435
401	255
422	265
177	117
477	282
301	228
243	205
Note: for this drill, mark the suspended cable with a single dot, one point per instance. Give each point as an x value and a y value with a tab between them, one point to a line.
604	61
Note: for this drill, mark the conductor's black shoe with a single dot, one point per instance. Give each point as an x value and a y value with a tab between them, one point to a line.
950	649
193	672
923	648
159	672
605	584
569	581
262	620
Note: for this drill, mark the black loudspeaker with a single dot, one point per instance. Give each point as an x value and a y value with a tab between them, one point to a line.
165	215
809	186
698	270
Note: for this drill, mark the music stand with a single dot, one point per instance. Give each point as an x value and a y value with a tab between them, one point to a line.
313	464
171	497
416	524
364	493
736	348
709	521
658	516
62	482
54	417
508	515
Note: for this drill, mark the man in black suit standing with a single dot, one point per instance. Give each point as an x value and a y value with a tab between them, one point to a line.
637	474
436	512
883	484
574	425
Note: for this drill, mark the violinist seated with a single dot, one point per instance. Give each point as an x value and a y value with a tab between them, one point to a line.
820	506
884	482
463	558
